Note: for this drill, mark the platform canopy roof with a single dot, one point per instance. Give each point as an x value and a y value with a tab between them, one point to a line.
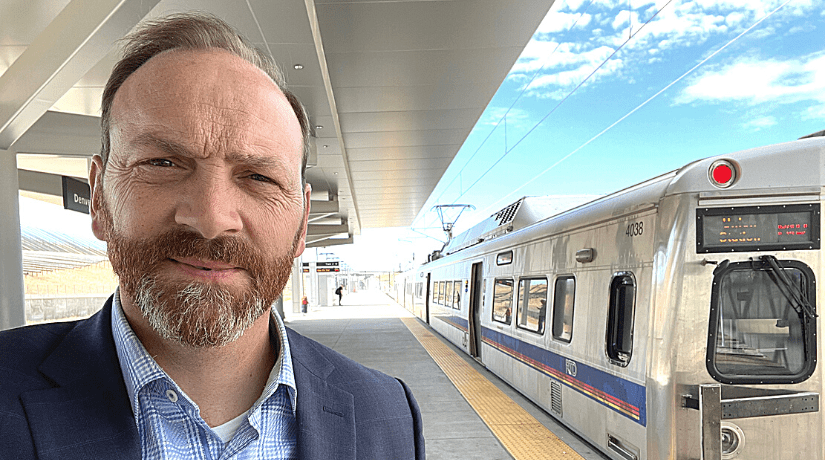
393	87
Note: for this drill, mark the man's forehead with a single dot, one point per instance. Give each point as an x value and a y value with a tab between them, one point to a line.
202	77
208	92
197	64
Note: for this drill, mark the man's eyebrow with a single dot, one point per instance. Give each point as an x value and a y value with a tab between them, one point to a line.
168	146
266	162
171	147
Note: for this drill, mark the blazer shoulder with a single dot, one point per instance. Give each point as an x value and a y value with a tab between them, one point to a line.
23	349
375	394
333	366
40	356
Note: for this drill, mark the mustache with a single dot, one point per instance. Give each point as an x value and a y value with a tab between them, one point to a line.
179	243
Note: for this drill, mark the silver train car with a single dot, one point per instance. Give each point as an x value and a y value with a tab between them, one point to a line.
675	319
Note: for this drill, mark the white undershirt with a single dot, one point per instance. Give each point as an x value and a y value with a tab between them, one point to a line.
228	429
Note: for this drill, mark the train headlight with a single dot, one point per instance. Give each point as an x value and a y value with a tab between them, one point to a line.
733	438
722	173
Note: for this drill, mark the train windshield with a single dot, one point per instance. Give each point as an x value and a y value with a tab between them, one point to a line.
762	325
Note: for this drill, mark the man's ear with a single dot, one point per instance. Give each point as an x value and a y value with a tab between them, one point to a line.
96	184
302	243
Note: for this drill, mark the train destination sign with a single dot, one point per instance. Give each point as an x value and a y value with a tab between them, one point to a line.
752	228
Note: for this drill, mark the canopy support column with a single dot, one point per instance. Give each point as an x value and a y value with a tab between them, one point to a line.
12	291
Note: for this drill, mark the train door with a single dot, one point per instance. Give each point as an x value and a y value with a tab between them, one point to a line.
427	295
474	315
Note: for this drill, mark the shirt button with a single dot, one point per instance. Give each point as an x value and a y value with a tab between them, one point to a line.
172	396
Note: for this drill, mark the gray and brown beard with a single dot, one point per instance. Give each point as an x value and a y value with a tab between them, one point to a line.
196	314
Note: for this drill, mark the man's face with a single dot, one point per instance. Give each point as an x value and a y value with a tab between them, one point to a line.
201	202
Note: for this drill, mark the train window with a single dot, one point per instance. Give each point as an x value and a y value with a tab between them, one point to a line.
457	295
564	294
435	292
503	301
532	304
448	294
442	289
762	322
620	318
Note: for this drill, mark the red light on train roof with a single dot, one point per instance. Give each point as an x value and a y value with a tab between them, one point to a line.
722	173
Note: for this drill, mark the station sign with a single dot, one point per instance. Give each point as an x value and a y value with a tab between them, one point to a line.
327	267
77	196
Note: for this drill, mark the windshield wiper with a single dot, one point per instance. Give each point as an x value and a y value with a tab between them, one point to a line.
791	291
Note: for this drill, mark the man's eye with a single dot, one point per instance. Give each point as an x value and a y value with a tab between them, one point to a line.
161	162
260	178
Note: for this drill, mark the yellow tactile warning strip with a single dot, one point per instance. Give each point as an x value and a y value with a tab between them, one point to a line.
520	433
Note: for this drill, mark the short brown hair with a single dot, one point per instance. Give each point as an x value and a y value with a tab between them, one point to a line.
192	31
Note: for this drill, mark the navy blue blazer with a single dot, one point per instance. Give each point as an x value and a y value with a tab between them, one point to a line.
62	396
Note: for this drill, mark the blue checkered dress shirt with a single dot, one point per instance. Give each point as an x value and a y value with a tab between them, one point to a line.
169	422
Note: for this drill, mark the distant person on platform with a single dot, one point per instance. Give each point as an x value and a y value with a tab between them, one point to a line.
200	193
340	293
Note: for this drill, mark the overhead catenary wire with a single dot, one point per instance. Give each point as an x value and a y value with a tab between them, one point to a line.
529	131
678	79
523	90
515	101
556	163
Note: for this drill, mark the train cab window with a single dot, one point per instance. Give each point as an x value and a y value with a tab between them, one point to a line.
762	323
564	294
532	304
503	301
457	295
620	318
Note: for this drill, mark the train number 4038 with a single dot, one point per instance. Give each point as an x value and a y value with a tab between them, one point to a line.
635	229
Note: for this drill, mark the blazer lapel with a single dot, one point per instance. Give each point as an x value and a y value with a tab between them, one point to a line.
87	415
325	413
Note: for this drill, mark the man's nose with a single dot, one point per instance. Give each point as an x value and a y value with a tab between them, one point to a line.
208	205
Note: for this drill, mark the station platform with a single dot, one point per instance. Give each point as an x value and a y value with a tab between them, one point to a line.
468	412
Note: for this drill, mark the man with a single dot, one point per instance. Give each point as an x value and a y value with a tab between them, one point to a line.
340	293
200	193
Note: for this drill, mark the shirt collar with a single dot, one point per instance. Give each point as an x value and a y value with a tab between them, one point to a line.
139	368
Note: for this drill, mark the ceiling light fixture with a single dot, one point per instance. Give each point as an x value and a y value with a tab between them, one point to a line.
319	127
298	66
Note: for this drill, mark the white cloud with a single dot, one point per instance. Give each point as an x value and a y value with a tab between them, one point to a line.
814	112
621	20
756	81
557	21
759	123
549	55
570	5
564	67
734	19
611	4
515	117
570	78
562	54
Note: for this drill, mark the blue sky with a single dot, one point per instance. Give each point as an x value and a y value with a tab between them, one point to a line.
609	93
